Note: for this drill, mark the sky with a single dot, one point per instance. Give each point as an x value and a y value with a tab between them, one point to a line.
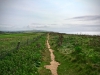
76	16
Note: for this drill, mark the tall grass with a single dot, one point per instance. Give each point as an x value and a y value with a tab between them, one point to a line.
78	54
9	41
25	61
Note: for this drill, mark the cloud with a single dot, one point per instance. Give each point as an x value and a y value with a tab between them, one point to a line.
52	24
36	24
6	26
45	25
97	26
86	18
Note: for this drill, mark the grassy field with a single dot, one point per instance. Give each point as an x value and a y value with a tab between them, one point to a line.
9	41
29	59
77	54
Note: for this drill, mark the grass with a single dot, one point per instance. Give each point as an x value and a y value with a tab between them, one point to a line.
29	59
46	61
77	54
9	41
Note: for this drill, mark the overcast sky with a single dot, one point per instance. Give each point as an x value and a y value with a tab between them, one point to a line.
54	15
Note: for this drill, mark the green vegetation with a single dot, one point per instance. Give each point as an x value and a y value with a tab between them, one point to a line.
28	59
9	41
77	54
46	61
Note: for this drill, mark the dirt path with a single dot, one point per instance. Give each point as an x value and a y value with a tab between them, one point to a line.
53	64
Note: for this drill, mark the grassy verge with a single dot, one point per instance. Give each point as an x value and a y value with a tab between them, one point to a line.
26	61
77	54
29	59
46	61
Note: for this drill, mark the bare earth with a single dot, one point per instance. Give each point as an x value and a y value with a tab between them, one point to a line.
53	64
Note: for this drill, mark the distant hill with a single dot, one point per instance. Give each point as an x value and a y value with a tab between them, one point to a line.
23	31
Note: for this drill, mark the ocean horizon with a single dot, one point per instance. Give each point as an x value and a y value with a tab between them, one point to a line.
82	33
